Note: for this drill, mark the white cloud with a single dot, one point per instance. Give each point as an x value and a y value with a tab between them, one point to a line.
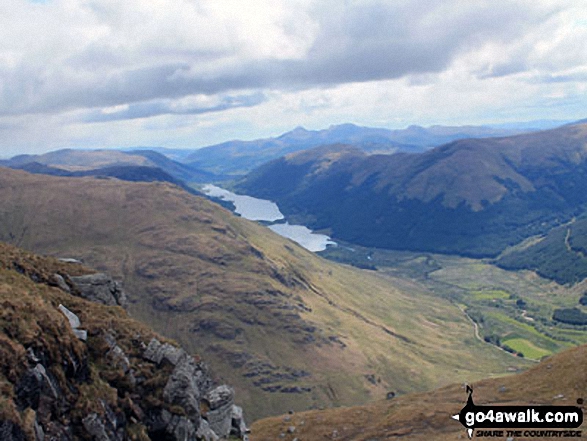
214	67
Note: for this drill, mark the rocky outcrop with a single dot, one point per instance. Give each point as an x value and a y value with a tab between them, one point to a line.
100	288
190	387
113	380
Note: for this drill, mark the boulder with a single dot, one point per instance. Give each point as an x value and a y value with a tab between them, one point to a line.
220	401
181	429
100	288
205	433
74	322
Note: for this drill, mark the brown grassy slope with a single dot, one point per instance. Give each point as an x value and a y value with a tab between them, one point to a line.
287	328
559	380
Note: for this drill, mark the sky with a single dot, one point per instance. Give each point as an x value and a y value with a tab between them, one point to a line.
190	73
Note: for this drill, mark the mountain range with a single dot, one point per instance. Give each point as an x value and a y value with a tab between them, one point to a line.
558	380
239	157
473	197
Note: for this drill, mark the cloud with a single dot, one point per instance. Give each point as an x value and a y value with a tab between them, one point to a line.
215	67
156	108
138	51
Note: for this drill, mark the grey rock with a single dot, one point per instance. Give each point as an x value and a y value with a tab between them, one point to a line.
74	321
220	397
81	334
183	389
69	260
100	288
119	358
239	428
220	401
95	427
205	433
31	356
39	434
220	421
181	429
157	352
61	283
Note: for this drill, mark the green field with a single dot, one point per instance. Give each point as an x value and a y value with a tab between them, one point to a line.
490	294
527	348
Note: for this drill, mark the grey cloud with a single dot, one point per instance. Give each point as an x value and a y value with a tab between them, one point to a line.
355	43
149	109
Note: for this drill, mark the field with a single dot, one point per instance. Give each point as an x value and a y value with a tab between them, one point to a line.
525	347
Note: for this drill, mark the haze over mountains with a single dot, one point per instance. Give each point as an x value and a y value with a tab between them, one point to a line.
70	162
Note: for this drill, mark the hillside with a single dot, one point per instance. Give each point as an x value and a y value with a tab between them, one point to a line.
257	307
239	157
560	255
73	369
91	162
559	380
133	173
471	197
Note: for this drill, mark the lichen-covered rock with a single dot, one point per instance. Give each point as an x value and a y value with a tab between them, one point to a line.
119	358
182	388
220	397
181	429
95	427
158	352
205	433
100	288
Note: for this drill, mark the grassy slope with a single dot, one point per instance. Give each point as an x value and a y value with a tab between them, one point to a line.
559	380
259	308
